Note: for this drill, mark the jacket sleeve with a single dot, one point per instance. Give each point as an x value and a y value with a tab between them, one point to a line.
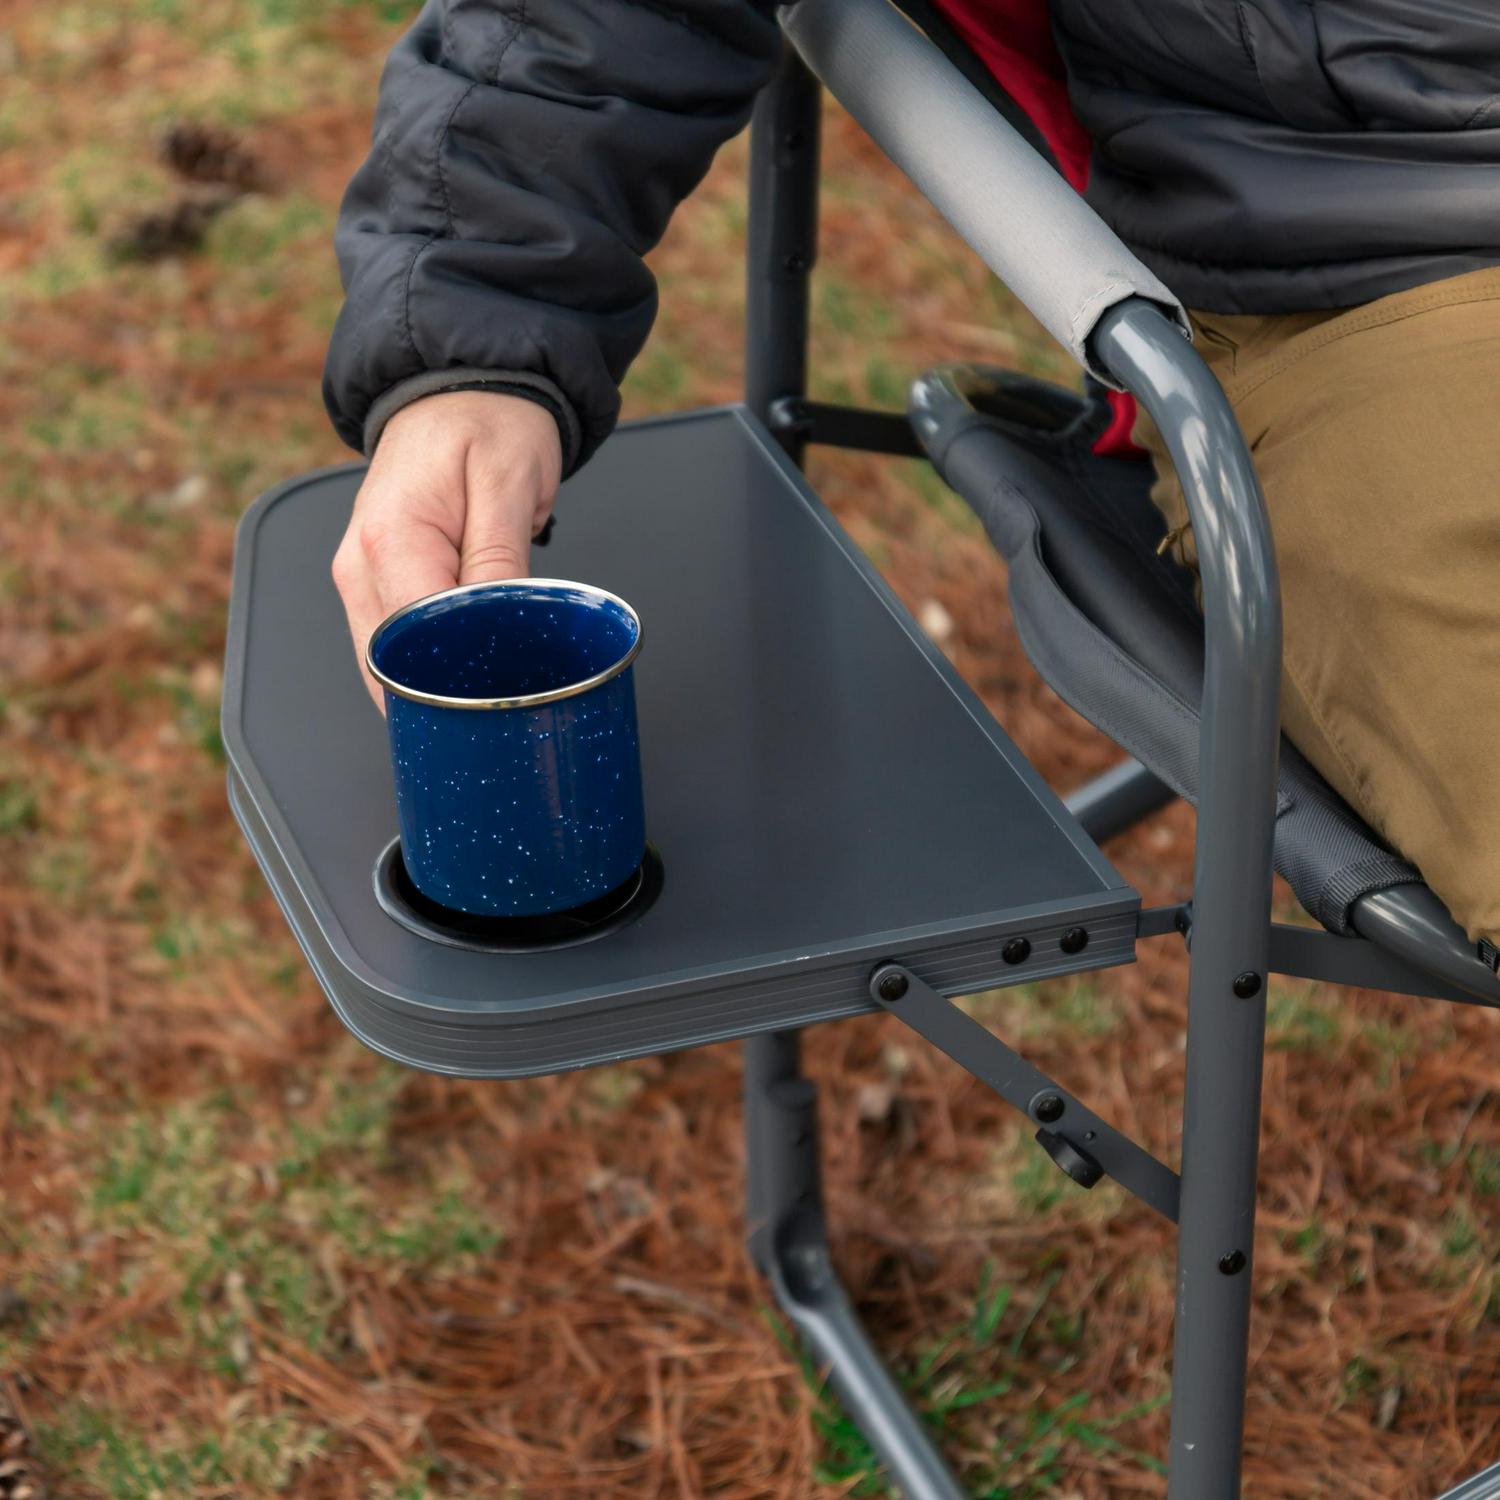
526	155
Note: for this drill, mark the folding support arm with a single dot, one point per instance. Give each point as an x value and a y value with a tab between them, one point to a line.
1082	1144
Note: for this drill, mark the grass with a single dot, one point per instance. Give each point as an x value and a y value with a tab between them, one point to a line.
249	1454
1074	1006
18	807
255	1259
1299	1018
238	1256
978	1393
1483	1166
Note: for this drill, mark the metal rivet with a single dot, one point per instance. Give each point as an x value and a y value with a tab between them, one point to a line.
1048	1108
1233	1263
893	986
1182	922
1247	985
1016	951
796	264
1074	940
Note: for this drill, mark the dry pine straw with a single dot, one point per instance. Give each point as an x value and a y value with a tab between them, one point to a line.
612	1341
615	1342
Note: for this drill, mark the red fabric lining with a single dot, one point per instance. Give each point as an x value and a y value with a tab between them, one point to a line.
1115	441
1013	39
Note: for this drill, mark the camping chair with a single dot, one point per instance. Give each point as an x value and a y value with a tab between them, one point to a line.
841	825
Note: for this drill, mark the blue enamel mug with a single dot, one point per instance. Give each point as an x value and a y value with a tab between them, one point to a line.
511	713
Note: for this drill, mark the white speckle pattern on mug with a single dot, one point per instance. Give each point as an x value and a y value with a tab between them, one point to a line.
516	811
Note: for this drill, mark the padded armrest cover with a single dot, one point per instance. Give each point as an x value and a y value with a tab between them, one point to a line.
1027	225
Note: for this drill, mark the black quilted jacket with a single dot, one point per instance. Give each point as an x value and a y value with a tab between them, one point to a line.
1260	155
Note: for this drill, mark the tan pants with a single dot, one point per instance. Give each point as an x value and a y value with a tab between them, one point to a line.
1376	433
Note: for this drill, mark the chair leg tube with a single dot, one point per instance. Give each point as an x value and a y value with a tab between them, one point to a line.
787	1237
1231	889
1216	1225
789	1244
783	239
1485	1486
770	1060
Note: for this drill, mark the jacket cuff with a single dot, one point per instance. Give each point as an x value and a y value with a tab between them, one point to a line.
525	383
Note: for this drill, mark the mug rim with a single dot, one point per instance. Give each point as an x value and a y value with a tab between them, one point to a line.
524	700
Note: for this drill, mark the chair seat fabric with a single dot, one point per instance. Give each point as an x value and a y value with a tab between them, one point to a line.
1111	625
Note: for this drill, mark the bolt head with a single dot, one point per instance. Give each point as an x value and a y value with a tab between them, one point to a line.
1016	951
1048	1108
1074	940
1233	1263
892	987
1247	985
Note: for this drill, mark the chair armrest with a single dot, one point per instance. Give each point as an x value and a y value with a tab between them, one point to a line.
1027	225
1239	741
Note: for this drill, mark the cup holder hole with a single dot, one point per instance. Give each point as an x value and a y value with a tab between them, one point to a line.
404	903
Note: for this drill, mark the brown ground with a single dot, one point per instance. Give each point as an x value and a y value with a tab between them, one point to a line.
239	1256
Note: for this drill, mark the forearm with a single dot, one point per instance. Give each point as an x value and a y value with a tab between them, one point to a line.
523	163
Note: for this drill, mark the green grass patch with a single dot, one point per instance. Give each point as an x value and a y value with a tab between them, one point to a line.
245	1243
61	867
1310	1242
885	382
1299	1019
659	379
18	106
259	230
18	806
356	1120
1461	1237
195	705
249	1454
165	1172
1073	1006
449	1226
982	1389
1483	1167
81	409
849	311
615	1086
415	1485
1037	1182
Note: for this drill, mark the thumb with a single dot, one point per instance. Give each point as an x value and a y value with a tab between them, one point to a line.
497	534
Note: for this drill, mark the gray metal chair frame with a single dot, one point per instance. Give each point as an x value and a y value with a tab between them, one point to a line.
837	927
1128	330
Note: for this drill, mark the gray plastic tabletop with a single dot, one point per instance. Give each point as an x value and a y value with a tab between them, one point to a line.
824	790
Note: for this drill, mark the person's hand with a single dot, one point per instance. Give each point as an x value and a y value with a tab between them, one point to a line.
459	484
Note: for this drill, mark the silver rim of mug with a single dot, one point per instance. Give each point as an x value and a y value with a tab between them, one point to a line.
526	700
